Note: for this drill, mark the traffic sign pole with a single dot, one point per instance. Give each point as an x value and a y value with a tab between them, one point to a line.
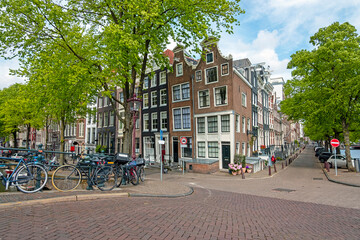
335	143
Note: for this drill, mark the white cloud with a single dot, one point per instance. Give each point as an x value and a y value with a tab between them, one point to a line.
5	78
261	49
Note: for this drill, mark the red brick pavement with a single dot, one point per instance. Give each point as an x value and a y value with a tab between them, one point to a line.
206	214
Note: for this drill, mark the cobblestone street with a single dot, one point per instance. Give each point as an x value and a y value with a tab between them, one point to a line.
206	214
288	205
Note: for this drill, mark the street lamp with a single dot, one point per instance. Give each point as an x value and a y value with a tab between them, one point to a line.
134	106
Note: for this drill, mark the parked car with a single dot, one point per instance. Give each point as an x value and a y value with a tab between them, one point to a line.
340	161
317	147
318	151
324	156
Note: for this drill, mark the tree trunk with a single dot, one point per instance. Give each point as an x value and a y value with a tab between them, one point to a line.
15	140
27	135
46	132
345	126
128	134
62	141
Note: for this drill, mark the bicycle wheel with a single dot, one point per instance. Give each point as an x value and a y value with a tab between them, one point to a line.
31	178
106	178
133	176
66	178
141	173
120	176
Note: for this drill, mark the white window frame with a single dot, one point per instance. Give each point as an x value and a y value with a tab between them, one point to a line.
162	78
221	69
154	117
111	119
196	74
227	97
106	119
146	79
237	149
162	117
146	100
153	81
181	119
163	95
243	148
100	120
237	123
217	146
243	99
243	122
217	75
181	92
208	125
81	129
208	99
202	156
206	59
153	96
222	125
197	124
182	69
146	118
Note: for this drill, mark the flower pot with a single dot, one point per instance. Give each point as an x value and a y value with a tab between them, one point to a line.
243	170
249	170
234	173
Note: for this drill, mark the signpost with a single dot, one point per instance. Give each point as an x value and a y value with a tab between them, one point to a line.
335	143
161	142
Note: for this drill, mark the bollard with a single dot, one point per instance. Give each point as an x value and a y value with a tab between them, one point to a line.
269	171
286	163
242	174
275	167
282	165
327	166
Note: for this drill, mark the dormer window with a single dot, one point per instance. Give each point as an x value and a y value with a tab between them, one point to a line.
209	57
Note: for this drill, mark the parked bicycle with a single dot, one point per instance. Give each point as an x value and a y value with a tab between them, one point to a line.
27	177
127	174
69	177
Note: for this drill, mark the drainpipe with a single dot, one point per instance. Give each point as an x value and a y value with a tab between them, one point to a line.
193	111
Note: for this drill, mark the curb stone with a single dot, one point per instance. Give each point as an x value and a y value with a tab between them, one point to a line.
338	182
191	191
73	198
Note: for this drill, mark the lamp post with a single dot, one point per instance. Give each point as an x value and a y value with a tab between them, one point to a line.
134	106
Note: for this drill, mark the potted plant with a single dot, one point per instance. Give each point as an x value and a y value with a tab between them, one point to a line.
248	168
243	163
234	168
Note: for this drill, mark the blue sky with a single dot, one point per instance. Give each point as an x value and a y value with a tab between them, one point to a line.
270	31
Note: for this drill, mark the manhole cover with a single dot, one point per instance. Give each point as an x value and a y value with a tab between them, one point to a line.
283	190
317	178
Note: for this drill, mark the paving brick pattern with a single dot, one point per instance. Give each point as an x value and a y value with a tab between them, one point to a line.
207	214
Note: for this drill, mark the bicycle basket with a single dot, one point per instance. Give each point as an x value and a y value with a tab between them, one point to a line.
122	158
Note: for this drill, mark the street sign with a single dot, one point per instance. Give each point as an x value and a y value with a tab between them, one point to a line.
161	142
334	142
161	134
183	141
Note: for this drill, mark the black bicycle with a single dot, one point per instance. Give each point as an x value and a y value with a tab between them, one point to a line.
100	174
126	174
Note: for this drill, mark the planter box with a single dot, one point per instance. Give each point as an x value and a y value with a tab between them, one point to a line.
202	165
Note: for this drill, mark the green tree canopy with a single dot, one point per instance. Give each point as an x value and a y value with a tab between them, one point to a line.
325	88
112	40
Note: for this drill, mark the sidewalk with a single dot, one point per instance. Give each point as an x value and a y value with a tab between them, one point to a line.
153	187
343	176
